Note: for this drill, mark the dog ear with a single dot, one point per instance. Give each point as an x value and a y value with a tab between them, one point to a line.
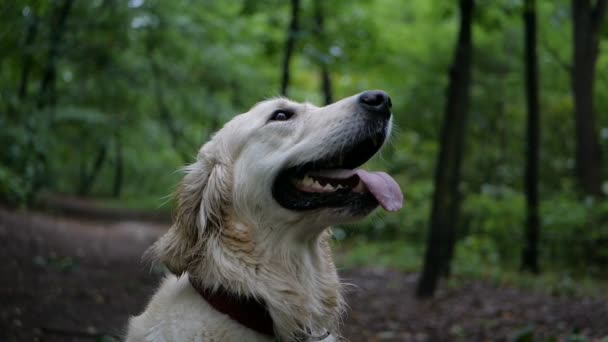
201	199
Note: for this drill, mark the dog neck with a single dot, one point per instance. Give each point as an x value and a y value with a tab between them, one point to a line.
299	286
247	311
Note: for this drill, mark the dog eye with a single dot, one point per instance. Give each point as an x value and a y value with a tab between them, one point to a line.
281	115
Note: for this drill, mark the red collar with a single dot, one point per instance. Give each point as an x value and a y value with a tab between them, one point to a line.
248	311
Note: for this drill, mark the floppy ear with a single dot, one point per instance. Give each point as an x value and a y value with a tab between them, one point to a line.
201	198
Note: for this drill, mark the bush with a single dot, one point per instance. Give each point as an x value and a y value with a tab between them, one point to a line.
493	220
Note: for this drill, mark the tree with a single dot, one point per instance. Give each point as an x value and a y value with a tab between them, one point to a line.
587	20
319	31
530	251
88	176
47	95
290	43
47	83
118	167
446	196
28	53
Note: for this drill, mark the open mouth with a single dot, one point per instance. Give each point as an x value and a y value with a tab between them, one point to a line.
333	181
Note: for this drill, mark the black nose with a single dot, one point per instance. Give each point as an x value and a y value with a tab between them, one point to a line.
376	102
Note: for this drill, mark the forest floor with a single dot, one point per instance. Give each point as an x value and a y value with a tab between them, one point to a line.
71	279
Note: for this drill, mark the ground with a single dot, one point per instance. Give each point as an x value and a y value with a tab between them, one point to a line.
73	279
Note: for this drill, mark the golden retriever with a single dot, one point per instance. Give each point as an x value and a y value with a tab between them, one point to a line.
249	250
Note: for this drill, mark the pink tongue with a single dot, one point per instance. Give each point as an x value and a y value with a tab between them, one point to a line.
384	188
381	185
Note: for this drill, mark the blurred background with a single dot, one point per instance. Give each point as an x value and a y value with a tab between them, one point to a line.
501	117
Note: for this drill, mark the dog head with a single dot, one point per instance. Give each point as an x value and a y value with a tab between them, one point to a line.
286	168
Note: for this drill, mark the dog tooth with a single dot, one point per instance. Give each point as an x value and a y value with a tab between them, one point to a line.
317	185
328	187
307	181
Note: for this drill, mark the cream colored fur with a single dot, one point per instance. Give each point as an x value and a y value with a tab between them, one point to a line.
229	231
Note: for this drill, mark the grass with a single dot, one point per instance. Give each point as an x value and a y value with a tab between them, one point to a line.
357	252
403	256
554	282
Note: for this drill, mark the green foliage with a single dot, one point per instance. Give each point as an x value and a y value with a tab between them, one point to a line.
576	233
62	264
12	186
493	219
391	254
475	259
527	334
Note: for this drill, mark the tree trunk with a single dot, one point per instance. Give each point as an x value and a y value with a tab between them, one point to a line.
290	44
118	168
446	196
530	251
586	26
30	37
47	84
46	96
88	177
319	31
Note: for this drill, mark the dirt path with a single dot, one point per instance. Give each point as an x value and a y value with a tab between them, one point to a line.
383	308
64	279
